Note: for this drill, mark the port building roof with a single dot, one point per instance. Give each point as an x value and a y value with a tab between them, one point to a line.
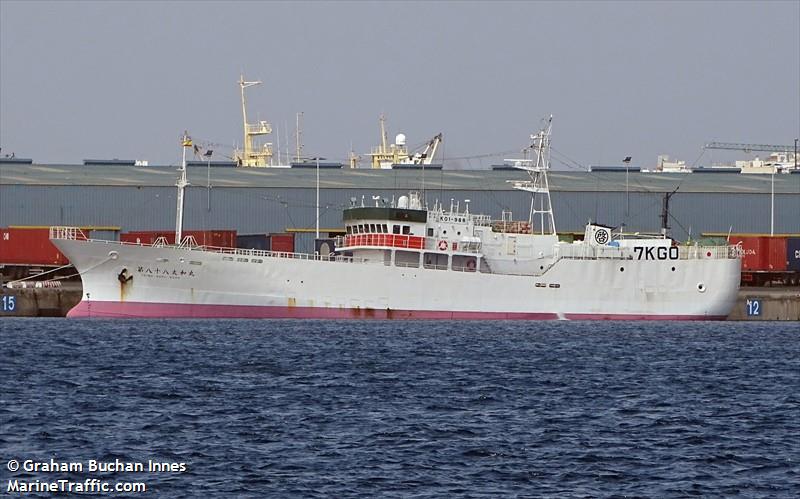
465	180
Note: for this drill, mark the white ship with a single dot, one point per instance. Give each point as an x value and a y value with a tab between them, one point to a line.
405	261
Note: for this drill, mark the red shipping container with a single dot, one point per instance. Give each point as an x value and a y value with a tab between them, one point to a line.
146	236
762	253
217	238
283	243
29	246
755	249
776	257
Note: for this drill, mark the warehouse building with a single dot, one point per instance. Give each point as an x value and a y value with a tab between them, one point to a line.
263	200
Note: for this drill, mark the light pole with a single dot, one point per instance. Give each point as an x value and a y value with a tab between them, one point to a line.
208	154
772	204
627	162
317	197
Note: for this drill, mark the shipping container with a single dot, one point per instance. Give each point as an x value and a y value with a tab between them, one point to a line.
776	256
283	243
755	250
146	236
29	246
793	254
762	253
216	238
253	241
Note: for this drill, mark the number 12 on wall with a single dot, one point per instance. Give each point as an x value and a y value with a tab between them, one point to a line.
753	307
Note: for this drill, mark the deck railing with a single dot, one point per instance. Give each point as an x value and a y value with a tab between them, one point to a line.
70	233
390	240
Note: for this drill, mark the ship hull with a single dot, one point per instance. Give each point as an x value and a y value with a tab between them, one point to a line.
141	281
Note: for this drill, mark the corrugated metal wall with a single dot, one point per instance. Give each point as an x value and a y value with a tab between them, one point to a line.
256	210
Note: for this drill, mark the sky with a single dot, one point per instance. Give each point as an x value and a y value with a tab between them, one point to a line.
123	80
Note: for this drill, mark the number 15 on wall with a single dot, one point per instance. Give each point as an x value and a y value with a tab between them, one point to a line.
9	303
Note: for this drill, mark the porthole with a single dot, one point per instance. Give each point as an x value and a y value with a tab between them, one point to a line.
622	269
701	287
673	269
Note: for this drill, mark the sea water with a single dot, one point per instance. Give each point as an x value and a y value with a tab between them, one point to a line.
401	409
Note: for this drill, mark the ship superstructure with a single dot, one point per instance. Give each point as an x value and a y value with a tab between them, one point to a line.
387	156
255	152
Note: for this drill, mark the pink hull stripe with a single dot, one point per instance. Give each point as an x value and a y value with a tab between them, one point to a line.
108	309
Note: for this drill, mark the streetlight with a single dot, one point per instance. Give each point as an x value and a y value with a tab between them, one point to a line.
772	202
627	162
208	154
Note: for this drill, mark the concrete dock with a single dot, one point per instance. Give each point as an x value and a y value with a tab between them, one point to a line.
767	304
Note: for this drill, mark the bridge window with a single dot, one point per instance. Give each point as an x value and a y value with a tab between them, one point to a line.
372	228
347	229
395	229
385	229
430	231
435	261
406	229
406	259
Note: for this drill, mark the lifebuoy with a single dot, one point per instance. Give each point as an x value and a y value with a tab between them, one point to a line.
442	245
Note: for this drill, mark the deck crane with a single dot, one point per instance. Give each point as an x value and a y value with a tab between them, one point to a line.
426	156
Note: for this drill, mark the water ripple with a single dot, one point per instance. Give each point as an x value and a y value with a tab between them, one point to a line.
411	409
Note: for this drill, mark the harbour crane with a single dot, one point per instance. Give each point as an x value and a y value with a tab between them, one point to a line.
733	146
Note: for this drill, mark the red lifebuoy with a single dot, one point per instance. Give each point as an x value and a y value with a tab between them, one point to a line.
442	245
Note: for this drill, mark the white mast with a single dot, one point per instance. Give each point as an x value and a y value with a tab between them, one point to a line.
538	184
182	183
